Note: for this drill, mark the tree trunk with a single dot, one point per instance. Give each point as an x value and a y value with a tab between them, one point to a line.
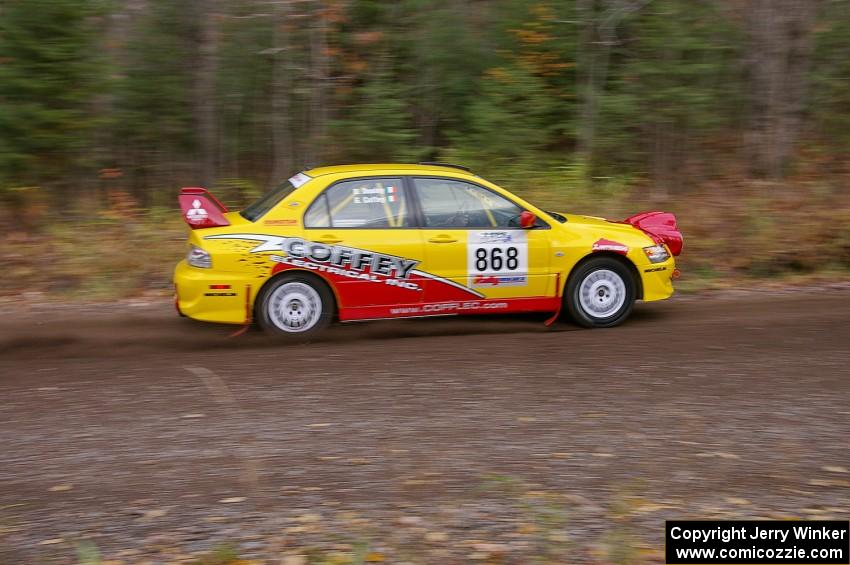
594	47
121	26
319	74
283	165
780	47
586	78
205	90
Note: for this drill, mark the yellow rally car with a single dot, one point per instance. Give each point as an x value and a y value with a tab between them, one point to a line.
360	242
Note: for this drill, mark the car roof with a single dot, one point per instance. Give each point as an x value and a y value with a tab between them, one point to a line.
372	168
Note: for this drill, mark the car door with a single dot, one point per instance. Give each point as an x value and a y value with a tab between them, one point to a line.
472	239
368	245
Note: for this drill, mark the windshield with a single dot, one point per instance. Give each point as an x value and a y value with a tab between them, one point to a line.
268	201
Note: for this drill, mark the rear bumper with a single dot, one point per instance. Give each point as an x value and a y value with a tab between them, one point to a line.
657	280
211	296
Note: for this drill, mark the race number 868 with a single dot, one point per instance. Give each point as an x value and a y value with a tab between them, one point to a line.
496	259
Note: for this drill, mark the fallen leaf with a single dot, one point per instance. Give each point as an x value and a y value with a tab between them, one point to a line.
738	501
308	518
233	500
834	469
720	454
651	554
61	488
829	483
192	416
338	558
51	541
410	520
491	548
436	537
215	519
652	507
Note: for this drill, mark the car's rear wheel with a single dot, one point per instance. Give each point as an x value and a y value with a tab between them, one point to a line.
600	293
295	306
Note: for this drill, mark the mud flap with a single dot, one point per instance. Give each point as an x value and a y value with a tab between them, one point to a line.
248	317
557	313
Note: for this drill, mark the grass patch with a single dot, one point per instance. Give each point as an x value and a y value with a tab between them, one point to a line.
736	232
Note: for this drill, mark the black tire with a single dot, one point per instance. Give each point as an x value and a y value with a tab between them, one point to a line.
601	293
286	307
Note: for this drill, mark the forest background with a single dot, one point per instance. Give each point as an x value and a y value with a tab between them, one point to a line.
733	114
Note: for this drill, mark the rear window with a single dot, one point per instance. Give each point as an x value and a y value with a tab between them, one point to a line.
268	201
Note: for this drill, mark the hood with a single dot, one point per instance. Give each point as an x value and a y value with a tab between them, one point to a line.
660	227
586	220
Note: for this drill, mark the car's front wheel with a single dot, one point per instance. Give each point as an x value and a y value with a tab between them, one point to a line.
600	293
295	306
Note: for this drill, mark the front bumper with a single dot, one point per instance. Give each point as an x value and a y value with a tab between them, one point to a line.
212	296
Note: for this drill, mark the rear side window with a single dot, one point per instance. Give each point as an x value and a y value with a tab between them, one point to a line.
362	203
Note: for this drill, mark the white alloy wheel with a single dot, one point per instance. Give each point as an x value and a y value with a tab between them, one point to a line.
294	307
602	294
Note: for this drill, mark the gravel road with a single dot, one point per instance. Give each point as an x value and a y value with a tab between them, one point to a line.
154	438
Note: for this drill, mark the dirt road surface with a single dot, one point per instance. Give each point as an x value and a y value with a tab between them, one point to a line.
156	438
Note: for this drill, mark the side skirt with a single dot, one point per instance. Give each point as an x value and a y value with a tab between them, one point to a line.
484	306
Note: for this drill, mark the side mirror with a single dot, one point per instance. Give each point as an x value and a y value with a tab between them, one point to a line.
527	220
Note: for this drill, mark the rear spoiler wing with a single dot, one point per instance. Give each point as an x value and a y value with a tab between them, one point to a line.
201	209
660	226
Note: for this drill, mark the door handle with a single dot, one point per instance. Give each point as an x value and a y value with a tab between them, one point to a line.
442	239
328	239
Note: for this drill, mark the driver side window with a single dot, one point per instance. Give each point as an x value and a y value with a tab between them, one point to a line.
456	204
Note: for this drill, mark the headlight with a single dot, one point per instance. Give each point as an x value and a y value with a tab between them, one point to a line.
197	257
656	253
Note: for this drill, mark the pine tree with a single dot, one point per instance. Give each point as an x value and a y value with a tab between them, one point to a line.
48	76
